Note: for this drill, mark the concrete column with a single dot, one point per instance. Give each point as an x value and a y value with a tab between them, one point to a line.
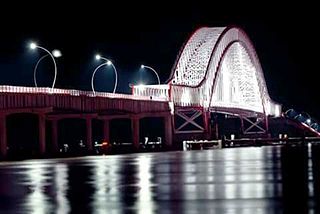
42	134
89	133
216	129
214	126
207	124
168	130
106	130
242	125
54	132
135	131
267	123
3	136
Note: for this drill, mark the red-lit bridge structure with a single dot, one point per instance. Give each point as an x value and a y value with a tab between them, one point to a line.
217	70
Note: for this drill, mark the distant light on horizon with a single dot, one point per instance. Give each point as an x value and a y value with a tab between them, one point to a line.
142	66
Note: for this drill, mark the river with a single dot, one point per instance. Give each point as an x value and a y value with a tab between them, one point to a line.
270	179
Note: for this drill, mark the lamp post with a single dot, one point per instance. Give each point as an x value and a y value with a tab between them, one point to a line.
109	63
55	53
145	66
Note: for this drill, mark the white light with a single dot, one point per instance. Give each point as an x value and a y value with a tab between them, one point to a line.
142	66
308	121
109	62
56	53
145	199
33	45
98	57
185	97
141	85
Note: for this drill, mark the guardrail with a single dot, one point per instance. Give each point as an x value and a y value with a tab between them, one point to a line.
73	92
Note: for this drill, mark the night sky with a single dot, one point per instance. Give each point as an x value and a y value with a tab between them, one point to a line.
284	36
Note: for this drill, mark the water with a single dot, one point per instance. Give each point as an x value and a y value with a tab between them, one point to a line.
236	180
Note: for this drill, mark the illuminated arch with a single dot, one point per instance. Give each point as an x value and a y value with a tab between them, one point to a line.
210	54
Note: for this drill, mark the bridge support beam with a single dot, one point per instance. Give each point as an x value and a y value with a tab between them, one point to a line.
42	134
135	131
168	131
215	128
189	117
254	125
3	136
106	130
89	133
54	133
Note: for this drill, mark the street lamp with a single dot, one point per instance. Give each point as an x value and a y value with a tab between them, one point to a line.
55	53
107	62
145	66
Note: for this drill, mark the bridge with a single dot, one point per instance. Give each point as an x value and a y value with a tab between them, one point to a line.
216	70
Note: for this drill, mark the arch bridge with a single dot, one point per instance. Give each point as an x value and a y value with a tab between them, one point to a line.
217	70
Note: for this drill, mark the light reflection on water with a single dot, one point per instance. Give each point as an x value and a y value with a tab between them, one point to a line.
105	181
61	183
36	180
238	180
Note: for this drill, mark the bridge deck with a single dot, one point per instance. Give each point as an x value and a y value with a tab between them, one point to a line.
15	97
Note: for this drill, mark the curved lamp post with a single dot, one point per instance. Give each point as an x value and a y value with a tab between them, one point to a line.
145	66
108	62
35	70
55	53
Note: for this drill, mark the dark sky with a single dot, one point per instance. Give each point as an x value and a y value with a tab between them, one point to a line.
284	36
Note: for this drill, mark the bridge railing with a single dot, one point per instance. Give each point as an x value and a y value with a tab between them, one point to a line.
44	90
186	96
152	91
178	94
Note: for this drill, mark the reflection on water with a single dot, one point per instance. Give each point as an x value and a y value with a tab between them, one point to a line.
105	180
236	180
145	197
61	183
37	182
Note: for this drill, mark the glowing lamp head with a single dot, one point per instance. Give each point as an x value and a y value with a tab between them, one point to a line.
109	62
56	53
33	45
98	57
142	66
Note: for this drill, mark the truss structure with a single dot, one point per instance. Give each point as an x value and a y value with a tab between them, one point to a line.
189	121
217	67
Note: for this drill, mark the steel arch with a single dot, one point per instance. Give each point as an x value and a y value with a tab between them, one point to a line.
195	72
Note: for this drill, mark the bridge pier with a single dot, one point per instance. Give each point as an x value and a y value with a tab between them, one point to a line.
168	130
3	136
54	133
215	129
89	133
106	130
42	134
207	124
135	130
